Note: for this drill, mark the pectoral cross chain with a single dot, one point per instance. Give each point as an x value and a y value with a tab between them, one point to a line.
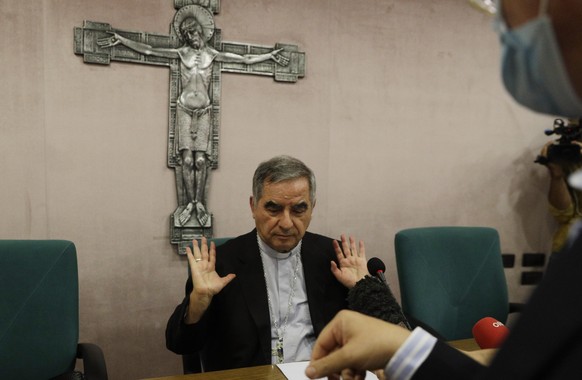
278	350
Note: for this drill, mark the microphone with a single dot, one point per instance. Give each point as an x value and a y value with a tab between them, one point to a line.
377	268
384	303
489	332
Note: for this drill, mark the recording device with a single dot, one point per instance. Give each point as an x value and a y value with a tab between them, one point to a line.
392	312
489	332
564	150
377	268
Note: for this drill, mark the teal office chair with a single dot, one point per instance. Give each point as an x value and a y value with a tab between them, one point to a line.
451	277
39	313
194	363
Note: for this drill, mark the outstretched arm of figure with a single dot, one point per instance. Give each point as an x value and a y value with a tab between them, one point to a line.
249	59
142	48
207	283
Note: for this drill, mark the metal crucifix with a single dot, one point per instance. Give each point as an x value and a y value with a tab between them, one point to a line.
196	56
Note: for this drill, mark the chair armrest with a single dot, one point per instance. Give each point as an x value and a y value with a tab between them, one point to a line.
93	361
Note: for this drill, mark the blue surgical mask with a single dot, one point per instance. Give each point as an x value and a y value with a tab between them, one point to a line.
532	68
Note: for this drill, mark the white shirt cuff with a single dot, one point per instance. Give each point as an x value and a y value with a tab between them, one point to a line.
410	355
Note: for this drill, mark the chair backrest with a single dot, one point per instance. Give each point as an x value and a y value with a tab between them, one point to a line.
219	241
450	277
194	363
39	303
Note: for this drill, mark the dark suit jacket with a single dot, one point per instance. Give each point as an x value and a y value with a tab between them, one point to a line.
235	331
546	341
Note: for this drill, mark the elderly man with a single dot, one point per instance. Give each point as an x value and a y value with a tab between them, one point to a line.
265	296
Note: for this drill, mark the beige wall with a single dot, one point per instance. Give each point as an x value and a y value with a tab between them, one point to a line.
401	115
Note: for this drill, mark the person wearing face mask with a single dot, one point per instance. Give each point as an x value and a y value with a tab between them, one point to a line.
542	69
541	56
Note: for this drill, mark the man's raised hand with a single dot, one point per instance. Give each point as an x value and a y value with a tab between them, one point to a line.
207	283
352	261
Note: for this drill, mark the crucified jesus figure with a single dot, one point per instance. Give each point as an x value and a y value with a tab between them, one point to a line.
193	116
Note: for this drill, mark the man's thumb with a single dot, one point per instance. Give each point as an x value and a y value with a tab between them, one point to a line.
330	364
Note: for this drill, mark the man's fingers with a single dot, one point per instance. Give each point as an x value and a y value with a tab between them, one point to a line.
190	256
362	249
353	248
212	254
338	251
352	374
349	248
204	249
345	245
335	269
196	251
328	365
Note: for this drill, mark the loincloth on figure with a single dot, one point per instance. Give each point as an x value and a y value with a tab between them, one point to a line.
193	128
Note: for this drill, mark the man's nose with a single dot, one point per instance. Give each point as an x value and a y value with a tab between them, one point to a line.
285	221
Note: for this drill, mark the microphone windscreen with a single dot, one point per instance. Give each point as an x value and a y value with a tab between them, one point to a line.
375	265
373	297
489	332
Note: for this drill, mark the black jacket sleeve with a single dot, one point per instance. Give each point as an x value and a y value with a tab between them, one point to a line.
372	297
446	362
180	337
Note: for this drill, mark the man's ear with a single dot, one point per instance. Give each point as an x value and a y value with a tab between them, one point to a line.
252	204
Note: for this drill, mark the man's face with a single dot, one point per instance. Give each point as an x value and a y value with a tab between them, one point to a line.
192	33
283	213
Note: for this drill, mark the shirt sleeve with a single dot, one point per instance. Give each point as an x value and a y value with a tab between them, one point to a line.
410	355
562	216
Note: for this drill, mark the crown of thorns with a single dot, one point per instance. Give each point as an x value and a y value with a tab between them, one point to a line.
202	16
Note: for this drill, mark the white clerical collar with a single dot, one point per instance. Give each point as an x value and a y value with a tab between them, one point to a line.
264	248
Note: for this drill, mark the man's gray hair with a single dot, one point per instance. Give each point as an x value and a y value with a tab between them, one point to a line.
279	169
